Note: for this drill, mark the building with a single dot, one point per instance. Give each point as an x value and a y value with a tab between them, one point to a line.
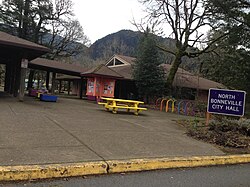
194	86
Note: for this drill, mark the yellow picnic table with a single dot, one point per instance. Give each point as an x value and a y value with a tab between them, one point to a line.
114	104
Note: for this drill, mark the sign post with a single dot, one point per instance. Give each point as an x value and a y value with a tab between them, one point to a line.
227	102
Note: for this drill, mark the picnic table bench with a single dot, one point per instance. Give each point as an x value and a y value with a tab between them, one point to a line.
115	104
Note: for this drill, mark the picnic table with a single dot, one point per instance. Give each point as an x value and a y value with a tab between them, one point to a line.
115	104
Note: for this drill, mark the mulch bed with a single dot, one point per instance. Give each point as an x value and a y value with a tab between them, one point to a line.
231	136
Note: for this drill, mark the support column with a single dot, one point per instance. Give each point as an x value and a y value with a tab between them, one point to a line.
69	82
47	80
17	76
24	66
31	76
53	83
22	84
12	77
60	86
81	87
7	79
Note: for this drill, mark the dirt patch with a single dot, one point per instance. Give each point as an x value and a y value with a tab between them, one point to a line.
230	135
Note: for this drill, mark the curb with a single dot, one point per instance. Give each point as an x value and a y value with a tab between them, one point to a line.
175	162
32	172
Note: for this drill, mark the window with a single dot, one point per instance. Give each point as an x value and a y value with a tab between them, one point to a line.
118	62
111	63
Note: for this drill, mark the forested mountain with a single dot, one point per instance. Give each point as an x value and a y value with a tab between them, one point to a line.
122	42
125	42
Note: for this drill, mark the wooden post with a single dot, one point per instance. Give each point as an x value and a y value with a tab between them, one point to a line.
53	83
31	76
81	87
60	86
47	80
24	66
22	84
7	80
17	76
120	89
69	82
208	116
12	77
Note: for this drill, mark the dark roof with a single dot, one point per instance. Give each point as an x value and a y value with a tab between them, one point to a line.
186	79
125	71
102	70
56	66
128	59
67	77
182	78
10	45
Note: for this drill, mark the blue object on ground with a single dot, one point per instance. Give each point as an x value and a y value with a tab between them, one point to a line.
50	98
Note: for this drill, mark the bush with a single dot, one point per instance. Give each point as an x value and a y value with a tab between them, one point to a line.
223	131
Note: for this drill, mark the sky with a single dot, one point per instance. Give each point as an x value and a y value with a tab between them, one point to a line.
102	17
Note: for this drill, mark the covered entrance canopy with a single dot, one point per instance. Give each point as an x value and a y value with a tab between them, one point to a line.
62	68
56	66
12	51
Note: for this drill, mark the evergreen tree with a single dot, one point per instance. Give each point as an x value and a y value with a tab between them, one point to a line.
47	22
148	75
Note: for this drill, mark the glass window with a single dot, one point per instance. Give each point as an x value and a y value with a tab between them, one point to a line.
118	62
111	63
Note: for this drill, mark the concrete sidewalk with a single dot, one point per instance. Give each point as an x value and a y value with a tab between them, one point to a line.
74	137
72	130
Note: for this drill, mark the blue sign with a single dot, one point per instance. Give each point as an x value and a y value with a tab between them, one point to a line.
228	102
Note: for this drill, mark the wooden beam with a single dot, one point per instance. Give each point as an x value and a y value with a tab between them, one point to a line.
60	86
81	87
22	84
47	80
53	83
23	69
7	80
69	82
31	76
17	76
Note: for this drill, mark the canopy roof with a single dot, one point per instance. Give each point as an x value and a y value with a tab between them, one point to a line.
102	71
183	78
12	47
56	66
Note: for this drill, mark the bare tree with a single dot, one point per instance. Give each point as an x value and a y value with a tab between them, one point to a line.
68	38
185	19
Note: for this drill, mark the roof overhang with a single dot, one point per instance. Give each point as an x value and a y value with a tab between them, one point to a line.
56	66
12	47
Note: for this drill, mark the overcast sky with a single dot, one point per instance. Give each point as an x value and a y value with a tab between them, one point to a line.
102	17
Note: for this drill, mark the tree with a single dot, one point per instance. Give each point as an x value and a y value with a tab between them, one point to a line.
25	18
48	22
67	39
148	75
230	62
232	16
185	19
